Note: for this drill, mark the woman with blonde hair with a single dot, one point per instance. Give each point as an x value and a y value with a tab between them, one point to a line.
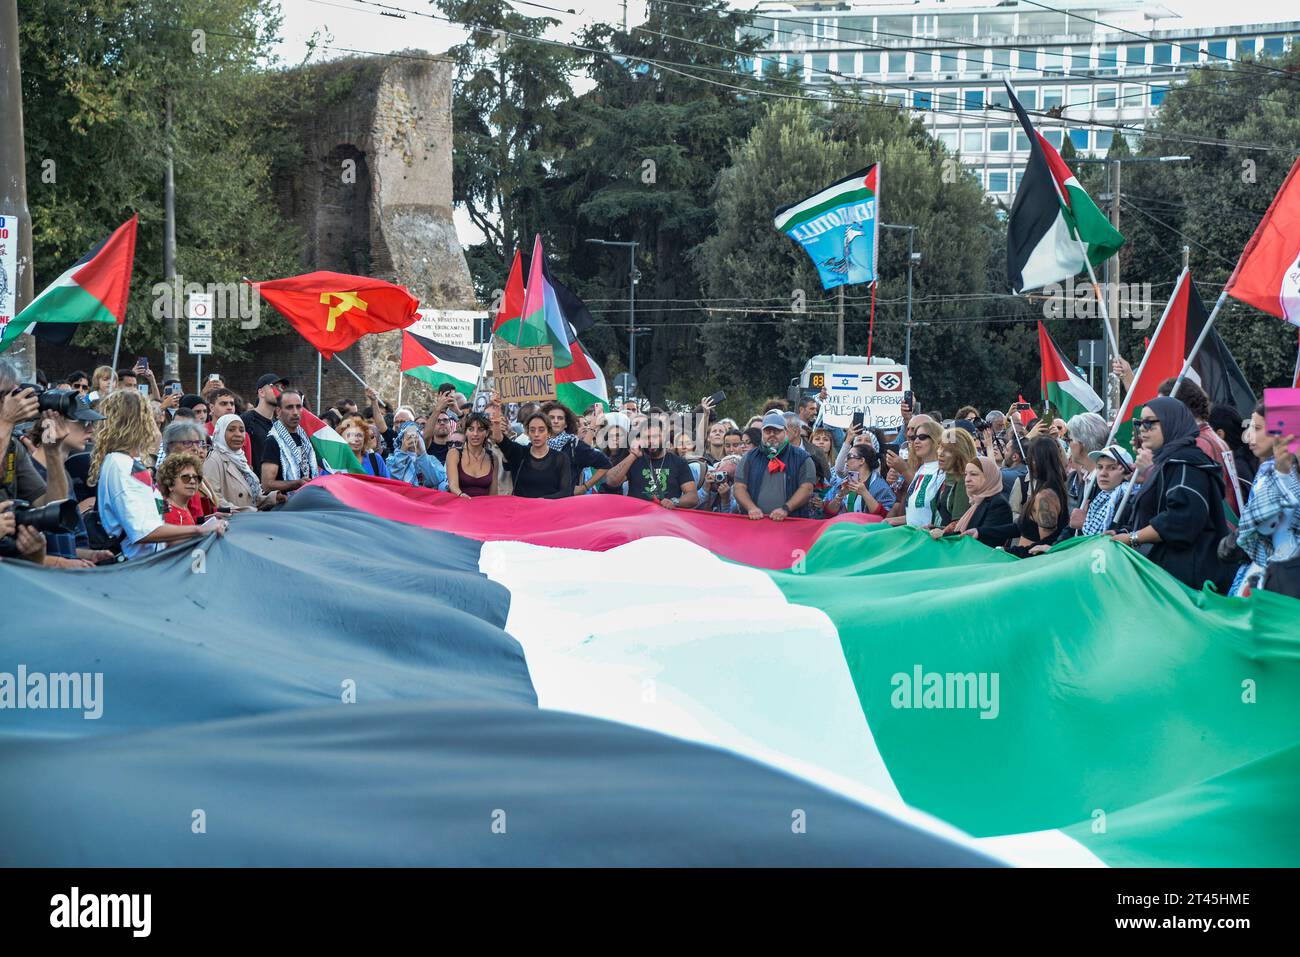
102	382
127	500
916	506
956	451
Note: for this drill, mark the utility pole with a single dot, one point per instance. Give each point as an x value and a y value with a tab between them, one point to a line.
13	181
839	327
171	340
632	277
913	257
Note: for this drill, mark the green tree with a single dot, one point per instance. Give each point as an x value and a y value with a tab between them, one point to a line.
96	80
798	149
1214	201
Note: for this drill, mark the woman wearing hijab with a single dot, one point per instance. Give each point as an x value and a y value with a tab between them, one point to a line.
412	463
987	518
1179	519
228	473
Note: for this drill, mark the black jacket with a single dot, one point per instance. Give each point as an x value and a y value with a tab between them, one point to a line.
994	521
1183	501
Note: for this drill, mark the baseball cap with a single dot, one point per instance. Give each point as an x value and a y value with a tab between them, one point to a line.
272	379
966	425
774	420
1118	453
84	413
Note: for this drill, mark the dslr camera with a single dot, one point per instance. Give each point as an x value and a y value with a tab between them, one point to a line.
61	401
53	518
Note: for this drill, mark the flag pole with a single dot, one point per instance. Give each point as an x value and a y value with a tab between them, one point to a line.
117	346
482	363
351	370
1205	331
318	375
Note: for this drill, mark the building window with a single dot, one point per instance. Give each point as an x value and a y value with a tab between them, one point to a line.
897	62
1052	97
1080	59
1273	46
1136	55
1189	54
1020	175
1217	49
949	62
973	100
1002	58
949	141
1245	47
1107	60
1081	96
1158	94
1028	97
1053	59
921	63
1133	96
974	61
956	25
947	100
998	97
1053	136
1022	141
1027	59
821	65
895	98
1106	97
920	99
1103	138
999	181
979	176
972	141
1080	139
999	141
871	64
1162	54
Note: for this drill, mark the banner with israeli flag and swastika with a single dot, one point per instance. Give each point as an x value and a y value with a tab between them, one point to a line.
839	227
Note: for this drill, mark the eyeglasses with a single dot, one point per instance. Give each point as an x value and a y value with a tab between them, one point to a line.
923	438
188	479
191	443
1145	424
457	445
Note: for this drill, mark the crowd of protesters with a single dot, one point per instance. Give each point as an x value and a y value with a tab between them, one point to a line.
1205	495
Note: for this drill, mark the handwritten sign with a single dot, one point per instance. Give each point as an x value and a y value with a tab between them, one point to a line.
524	375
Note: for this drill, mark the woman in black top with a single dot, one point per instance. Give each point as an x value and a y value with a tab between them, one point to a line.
537	469
1047	513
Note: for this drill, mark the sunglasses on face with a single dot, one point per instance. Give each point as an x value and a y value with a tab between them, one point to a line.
922	438
1145	424
188	479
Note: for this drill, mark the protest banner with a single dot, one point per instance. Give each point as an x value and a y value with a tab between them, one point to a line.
524	374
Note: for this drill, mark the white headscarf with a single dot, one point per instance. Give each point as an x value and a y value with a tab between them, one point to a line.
235	456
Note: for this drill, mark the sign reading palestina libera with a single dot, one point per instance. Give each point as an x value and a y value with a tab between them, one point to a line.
839	227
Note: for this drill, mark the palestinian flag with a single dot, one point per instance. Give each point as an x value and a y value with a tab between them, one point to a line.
582	383
1268	274
333	310
1053	221
506	323
1213	368
511	656
330	448
542	321
93	290
435	363
1064	388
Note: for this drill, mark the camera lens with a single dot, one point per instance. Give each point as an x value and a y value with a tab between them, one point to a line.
60	401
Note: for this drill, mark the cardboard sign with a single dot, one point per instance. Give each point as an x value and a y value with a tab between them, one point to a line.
524	375
8	269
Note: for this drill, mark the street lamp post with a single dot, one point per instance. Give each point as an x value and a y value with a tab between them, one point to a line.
632	277
913	257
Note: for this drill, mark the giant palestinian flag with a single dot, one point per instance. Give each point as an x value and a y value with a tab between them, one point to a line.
641	686
839	228
1053	222
436	363
1268	274
95	289
1068	392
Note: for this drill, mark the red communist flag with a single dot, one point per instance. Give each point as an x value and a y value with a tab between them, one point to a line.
332	310
1268	274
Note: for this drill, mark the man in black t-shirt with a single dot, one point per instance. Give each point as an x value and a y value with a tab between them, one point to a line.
653	473
259	419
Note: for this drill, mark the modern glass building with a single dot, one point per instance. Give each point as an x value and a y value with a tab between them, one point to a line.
947	61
